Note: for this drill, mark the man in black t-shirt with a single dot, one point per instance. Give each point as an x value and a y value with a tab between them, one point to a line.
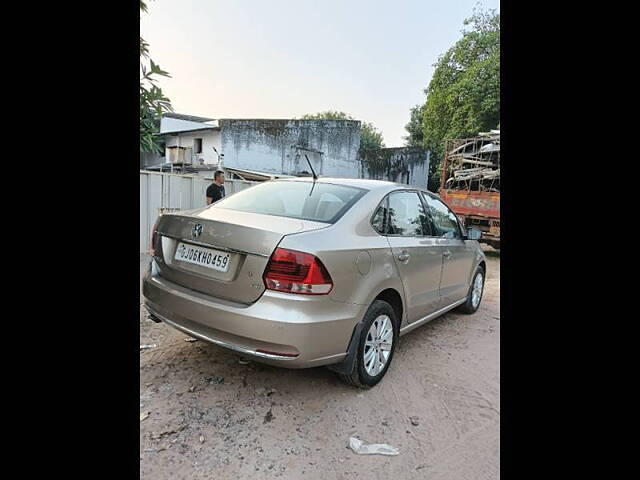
215	191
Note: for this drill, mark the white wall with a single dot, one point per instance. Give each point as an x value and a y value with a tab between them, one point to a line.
210	138
265	145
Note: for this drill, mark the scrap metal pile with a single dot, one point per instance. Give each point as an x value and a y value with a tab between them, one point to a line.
474	163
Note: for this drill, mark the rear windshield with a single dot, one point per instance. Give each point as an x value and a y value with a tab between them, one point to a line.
322	202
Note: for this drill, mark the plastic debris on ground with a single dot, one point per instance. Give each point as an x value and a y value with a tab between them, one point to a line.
147	347
359	447
190	339
144	415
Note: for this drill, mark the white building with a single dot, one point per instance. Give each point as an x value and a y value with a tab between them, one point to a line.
189	141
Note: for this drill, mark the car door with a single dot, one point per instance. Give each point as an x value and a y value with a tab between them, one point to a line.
416	255
458	255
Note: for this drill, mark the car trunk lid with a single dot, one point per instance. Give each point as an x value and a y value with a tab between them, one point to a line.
246	240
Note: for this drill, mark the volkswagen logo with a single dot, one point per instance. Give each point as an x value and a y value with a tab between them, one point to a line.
196	231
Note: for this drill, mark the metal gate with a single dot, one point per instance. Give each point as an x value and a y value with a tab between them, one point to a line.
166	192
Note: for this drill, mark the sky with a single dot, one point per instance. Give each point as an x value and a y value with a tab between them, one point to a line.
285	58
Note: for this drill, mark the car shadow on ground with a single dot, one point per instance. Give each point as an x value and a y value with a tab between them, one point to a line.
203	363
200	362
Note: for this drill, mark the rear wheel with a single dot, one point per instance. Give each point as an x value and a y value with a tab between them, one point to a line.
376	345
475	292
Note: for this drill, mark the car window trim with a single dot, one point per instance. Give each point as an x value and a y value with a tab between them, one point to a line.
386	197
428	211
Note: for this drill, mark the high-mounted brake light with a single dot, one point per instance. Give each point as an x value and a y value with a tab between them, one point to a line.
297	272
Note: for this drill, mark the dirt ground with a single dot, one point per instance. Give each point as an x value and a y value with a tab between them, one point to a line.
209	416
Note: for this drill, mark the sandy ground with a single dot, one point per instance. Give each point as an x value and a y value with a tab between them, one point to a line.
211	417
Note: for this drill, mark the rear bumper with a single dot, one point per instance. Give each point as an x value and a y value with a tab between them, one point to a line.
313	330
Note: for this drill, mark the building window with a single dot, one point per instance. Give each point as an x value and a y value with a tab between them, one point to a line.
197	145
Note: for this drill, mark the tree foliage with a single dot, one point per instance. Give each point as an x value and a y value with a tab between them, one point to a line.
463	97
370	136
414	128
153	103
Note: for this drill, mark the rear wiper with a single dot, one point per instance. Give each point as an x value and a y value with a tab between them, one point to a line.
315	177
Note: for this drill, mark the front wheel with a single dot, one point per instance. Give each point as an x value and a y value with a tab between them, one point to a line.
377	343
475	292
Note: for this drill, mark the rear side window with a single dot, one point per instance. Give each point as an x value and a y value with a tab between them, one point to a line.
444	219
322	202
379	220
407	216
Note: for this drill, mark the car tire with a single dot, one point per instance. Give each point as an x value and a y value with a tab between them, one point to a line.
470	306
371	348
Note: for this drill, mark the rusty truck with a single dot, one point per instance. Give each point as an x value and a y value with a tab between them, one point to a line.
470	183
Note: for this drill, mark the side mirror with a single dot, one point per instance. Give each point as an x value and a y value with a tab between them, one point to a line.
474	234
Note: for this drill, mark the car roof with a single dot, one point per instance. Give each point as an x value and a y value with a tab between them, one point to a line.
354	182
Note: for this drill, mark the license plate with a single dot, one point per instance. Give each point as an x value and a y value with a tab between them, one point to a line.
205	257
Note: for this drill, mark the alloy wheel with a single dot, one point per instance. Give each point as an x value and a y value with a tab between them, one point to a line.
377	346
476	293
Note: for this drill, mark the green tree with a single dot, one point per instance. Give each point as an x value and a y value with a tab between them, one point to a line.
463	97
414	128
370	136
153	103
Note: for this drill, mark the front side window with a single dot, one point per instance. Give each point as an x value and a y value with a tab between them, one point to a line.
407	216
444	220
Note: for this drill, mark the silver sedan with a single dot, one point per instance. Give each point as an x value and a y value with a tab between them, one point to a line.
302	273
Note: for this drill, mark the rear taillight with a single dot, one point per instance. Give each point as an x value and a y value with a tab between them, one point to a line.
154	236
297	272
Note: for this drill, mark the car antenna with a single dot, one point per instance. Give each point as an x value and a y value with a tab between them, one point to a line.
315	177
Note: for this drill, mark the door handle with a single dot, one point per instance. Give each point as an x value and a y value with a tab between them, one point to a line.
403	256
447	254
